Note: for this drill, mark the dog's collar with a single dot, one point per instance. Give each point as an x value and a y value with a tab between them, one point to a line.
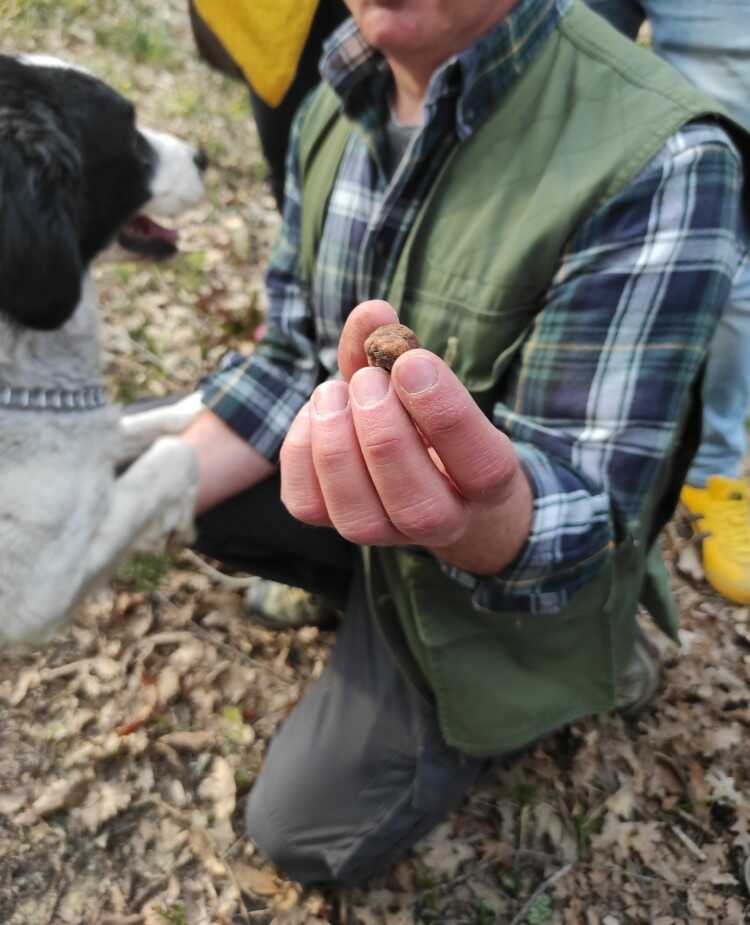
20	399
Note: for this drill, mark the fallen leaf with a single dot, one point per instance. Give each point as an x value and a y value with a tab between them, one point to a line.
219	788
103	801
261	882
189	741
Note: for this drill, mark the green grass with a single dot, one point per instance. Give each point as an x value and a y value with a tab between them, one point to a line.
540	911
175	915
145	571
145	43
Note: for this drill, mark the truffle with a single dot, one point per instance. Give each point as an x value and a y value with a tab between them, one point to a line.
386	344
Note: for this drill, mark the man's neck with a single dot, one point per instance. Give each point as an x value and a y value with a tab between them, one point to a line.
412	77
409	93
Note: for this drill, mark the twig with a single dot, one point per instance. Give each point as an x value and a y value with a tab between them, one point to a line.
62	671
197	630
239	654
542	888
225	857
693	820
114	919
230	582
244	912
232	848
545	857
689	844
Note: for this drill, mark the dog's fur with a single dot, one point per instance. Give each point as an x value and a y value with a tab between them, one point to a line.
76	175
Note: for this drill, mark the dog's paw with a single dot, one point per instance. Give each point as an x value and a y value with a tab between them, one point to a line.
173	466
141	427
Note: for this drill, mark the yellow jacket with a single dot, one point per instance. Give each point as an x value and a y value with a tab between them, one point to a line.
264	37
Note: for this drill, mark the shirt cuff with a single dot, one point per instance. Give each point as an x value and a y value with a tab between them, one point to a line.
570	540
255	400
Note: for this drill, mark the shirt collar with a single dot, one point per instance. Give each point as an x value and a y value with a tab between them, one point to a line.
476	77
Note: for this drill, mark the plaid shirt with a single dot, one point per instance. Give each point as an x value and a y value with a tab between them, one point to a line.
596	396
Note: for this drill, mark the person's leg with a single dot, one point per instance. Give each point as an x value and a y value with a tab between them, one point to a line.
359	770
274	122
715	495
726	391
625	15
254	532
709	43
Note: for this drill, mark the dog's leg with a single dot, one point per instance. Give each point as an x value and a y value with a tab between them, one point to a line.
138	431
153	500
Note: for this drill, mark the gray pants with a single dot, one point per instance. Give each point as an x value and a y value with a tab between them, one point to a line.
359	770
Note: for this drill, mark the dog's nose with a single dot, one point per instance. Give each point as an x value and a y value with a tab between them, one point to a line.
200	159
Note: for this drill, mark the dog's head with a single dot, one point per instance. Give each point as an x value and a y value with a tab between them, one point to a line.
76	174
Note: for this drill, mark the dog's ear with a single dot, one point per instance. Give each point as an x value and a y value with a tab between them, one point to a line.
40	188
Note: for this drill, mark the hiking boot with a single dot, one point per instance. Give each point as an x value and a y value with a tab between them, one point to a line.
280	607
639	682
720	515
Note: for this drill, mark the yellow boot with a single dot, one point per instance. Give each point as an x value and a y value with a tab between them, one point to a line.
721	516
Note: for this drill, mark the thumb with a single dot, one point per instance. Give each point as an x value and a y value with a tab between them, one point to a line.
359	325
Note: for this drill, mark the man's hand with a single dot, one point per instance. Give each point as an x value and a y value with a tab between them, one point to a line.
405	459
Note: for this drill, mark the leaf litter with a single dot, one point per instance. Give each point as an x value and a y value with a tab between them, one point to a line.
130	742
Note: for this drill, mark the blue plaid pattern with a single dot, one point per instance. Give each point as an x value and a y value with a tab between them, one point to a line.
598	392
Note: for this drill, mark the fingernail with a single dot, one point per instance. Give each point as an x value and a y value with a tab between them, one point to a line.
369	386
416	374
330	397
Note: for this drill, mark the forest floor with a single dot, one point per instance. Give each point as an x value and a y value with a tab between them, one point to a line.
129	743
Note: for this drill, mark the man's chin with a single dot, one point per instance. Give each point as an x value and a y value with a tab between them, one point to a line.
390	28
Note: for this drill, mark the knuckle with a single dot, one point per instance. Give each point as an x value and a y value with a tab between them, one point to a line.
309	510
446	418
365	531
332	459
381	449
490	476
314	516
427	522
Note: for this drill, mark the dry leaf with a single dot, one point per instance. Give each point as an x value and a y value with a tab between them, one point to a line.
444	854
204	850
262	882
196	741
219	788
103	801
60	794
689	563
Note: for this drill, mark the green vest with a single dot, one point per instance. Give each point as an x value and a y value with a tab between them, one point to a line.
588	114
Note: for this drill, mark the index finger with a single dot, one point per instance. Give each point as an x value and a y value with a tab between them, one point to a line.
358	326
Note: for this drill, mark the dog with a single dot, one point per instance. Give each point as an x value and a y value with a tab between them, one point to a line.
77	176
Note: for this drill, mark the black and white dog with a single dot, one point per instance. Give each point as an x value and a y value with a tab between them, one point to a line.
76	176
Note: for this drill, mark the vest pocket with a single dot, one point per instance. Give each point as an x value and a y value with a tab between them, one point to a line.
502	680
472	334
